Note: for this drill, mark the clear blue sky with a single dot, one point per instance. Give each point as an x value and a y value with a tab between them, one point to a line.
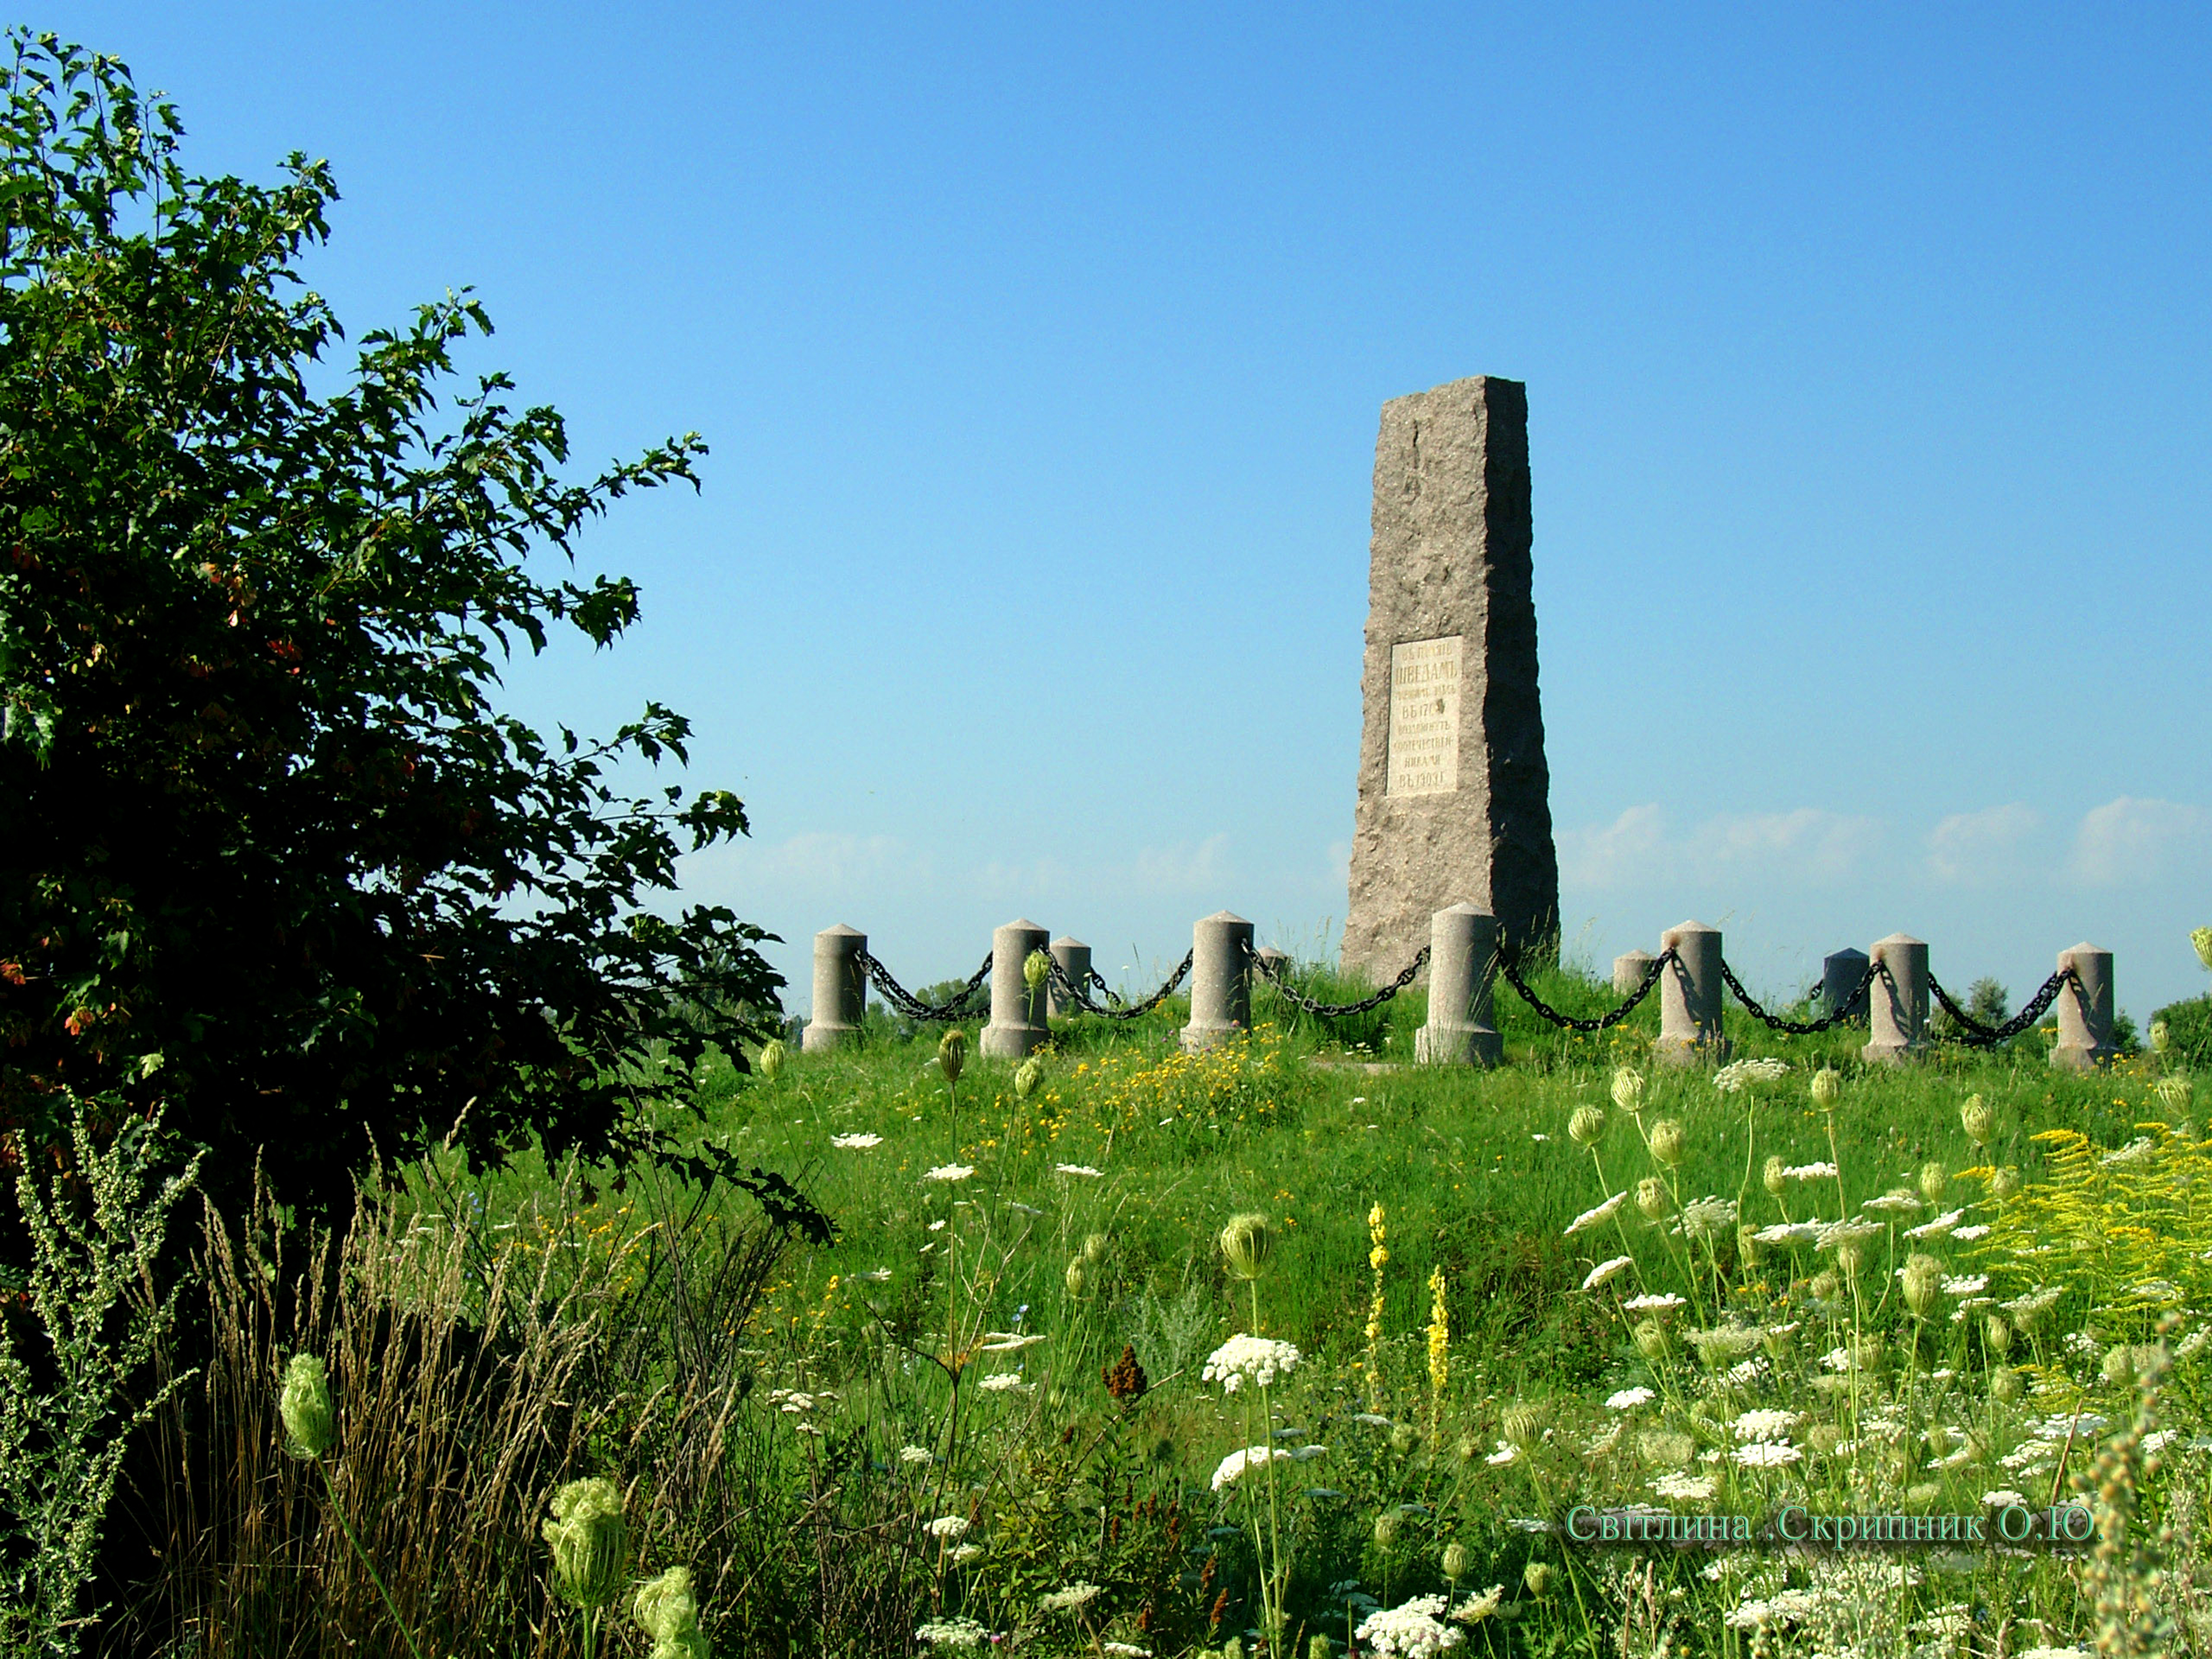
1041	349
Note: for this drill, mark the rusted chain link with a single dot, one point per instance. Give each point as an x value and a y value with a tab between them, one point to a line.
1113	1007
1297	999
912	1006
1800	1027
1974	1035
1511	970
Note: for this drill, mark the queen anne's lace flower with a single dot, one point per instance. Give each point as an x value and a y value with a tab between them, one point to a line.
1765	1425
1658	1301
1244	1358
1628	1398
950	1172
1068	1599
1767	1454
948	1526
1686	1488
1836	1233
1902	1201
1742	1074
952	1634
1607	1270
1703	1217
1000	1381
1788	1232
1941	1224
1413	1630
1810	1172
855	1143
1603	1212
1251	1457
915	1454
1076	1170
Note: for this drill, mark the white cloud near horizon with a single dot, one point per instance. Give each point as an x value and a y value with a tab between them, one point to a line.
1807	844
1977	848
2135	840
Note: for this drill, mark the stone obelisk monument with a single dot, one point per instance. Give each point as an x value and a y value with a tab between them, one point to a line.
1454	800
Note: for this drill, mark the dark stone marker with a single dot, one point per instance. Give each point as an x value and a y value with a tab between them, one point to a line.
1454	800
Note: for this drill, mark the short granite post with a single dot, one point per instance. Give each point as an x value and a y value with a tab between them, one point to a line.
1017	1012
1277	963
2084	1010
1629	969
1220	981
1897	1002
841	989
1463	950
1690	992
1840	975
1073	956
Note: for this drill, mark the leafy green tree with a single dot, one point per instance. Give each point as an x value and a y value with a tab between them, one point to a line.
269	855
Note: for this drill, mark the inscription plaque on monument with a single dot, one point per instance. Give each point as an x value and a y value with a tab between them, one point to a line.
1425	717
1453	802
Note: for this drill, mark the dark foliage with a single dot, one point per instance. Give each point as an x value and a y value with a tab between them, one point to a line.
268	854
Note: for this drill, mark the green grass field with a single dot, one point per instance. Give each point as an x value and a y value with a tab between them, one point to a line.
998	1407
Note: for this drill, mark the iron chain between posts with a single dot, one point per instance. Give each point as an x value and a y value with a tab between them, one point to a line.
1297	999
912	1006
1800	1027
1975	1034
1114	1007
1510	967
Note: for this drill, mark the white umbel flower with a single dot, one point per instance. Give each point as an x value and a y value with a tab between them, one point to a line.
1251	1457
1413	1630
1244	1358
1607	1270
1740	1075
1767	1454
1603	1212
950	1172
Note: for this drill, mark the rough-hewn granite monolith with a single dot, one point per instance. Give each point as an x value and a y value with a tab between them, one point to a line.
1454	798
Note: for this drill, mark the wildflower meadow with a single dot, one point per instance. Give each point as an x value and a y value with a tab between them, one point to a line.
1288	1346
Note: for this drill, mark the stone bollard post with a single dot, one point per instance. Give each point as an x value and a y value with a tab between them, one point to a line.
841	989
1839	978
2085	1011
1017	1012
1690	994
1462	954
1073	956
1897	1002
1268	957
1629	970
1220	981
